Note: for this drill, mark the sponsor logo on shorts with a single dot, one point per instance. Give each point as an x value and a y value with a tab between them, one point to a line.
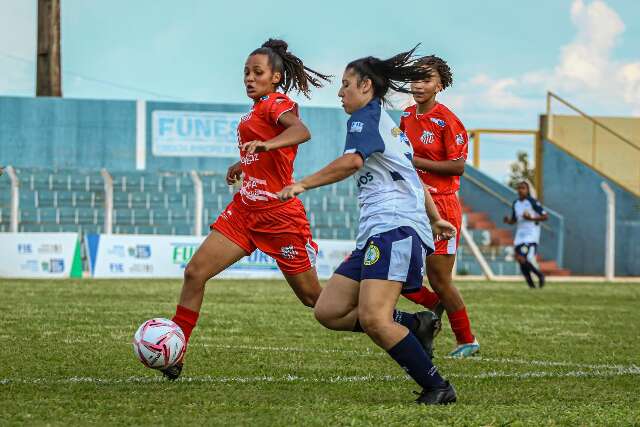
372	255
289	252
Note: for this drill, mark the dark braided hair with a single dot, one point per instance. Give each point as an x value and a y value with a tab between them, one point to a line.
393	73
440	66
294	73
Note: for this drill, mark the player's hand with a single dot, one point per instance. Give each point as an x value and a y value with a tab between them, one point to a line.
506	219
234	173
291	191
527	215
255	147
442	230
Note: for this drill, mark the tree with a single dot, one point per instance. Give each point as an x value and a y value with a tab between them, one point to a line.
521	170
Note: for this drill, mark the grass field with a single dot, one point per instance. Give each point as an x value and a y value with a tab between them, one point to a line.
566	355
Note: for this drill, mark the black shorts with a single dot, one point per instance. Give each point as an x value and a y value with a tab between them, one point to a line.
527	250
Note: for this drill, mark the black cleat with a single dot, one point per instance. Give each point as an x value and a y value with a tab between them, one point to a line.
541	281
428	325
438	396
172	372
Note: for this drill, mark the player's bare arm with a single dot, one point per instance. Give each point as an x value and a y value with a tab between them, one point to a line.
441	228
446	167
341	168
295	133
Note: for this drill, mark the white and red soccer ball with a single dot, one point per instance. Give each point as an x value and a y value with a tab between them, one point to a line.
159	343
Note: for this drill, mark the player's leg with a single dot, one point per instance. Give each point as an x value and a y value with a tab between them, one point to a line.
376	302
214	255
305	285
521	251
532	263
336	308
439	273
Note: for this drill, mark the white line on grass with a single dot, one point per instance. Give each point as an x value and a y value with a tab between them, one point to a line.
373	352
633	371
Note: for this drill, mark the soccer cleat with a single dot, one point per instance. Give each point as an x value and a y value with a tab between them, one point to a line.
172	372
465	350
428	325
438	396
541	282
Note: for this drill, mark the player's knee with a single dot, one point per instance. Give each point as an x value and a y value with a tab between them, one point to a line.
373	324
193	275
309	299
325	316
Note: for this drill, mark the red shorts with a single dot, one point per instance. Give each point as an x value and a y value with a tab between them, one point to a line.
282	232
449	208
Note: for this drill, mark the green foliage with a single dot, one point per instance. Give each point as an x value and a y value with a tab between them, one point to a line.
521	170
558	356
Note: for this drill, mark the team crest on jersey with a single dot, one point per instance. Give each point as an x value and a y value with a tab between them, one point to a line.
372	255
459	139
289	252
406	114
439	122
356	127
427	137
396	131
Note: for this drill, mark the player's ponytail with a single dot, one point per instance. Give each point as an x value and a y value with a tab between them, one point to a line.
295	75
393	73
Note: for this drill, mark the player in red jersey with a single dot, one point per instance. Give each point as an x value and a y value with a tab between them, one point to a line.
268	138
440	145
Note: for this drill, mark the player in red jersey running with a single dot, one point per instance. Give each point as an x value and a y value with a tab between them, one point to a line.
268	138
440	145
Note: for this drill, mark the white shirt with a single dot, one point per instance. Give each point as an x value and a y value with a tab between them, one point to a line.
390	192
526	231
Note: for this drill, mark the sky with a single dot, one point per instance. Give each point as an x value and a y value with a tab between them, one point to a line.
504	55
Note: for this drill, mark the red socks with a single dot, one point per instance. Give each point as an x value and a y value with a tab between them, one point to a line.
186	319
461	326
424	297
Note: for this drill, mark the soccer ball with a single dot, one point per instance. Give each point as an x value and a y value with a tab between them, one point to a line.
159	343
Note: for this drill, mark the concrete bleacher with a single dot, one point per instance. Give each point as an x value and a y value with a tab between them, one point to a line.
55	200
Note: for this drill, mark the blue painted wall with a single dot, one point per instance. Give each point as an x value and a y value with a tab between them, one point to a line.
72	133
54	132
573	189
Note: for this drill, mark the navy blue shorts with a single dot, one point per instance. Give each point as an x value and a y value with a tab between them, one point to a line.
527	250
396	255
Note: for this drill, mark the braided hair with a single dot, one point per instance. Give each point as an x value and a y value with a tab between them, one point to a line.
393	73
440	66
295	75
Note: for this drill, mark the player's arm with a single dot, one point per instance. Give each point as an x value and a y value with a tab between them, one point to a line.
337	170
540	214
295	133
443	167
511	219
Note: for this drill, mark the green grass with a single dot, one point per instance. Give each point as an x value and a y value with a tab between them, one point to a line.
566	355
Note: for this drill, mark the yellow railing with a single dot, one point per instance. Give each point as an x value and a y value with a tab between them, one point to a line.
595	143
475	134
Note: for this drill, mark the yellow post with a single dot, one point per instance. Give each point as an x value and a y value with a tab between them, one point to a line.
476	150
538	161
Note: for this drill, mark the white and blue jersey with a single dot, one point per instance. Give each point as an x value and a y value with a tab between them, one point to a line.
394	234
390	193
526	231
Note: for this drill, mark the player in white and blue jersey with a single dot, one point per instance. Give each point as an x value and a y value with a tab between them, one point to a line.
527	213
395	233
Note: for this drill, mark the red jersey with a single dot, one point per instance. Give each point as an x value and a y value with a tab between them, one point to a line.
436	135
268	172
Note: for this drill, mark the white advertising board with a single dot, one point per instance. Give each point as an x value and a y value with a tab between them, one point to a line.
40	255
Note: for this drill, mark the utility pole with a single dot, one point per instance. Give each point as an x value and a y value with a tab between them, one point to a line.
48	73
